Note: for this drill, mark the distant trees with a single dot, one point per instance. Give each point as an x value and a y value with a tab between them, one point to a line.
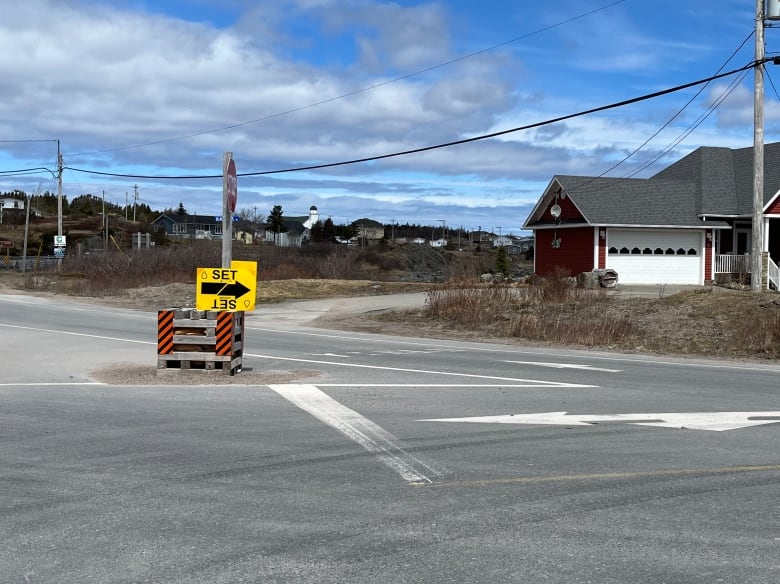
181	210
275	222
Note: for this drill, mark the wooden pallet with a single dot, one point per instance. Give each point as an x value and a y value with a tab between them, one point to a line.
200	340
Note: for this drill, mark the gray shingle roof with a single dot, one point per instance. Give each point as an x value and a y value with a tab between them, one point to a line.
710	181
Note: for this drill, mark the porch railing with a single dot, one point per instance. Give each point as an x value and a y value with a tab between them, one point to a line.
732	264
773	273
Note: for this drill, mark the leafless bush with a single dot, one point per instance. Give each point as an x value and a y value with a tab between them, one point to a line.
760	334
470	305
556	288
592	328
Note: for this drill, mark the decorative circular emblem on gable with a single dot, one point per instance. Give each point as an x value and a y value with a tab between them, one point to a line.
555	211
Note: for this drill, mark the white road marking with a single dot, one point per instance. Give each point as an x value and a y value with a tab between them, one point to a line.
535	382
329	355
565	366
52	384
366	433
101	337
712	421
474	347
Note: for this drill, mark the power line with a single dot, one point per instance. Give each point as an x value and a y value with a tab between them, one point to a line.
678	113
443	145
357	91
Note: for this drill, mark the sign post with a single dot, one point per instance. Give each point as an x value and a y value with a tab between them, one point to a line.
229	200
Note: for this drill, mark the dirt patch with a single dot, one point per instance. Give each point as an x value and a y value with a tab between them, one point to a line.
132	374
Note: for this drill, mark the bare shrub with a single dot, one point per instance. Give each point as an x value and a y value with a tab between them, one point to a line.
555	288
595	328
470	305
760	334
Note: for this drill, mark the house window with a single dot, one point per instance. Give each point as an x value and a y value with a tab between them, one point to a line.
179	228
216	229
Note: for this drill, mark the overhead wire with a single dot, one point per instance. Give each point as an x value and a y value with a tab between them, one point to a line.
679	111
357	91
442	145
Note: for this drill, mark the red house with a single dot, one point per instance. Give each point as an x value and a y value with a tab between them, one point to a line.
687	223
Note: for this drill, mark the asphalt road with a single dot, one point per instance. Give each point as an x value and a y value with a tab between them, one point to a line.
370	467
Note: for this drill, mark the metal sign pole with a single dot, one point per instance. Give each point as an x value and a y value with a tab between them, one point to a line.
229	191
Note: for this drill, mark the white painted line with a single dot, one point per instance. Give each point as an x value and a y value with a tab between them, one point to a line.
366	433
506	348
103	338
711	421
429	385
539	383
565	366
51	384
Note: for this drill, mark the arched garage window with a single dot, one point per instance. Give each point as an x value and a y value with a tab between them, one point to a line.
692	251
647	251
635	251
669	251
613	250
658	251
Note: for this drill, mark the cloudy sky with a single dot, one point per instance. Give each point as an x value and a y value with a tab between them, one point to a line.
164	87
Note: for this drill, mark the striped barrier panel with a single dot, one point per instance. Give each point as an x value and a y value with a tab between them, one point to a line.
165	332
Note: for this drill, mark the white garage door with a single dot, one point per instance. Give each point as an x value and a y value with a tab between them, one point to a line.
655	256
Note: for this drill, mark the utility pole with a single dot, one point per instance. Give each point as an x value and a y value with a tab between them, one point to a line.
135	200
757	242
59	189
125	209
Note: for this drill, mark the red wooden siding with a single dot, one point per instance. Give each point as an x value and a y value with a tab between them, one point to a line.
575	254
773	209
708	239
568	211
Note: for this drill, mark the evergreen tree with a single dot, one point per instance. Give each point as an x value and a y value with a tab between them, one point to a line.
275	221
503	262
181	210
328	230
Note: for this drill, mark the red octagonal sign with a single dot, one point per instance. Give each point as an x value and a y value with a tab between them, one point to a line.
232	186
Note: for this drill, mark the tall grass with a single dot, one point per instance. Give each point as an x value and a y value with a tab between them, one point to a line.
551	310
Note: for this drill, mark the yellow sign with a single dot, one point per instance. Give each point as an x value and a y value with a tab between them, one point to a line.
232	289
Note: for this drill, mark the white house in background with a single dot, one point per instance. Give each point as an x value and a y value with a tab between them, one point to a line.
502	241
11	203
438	243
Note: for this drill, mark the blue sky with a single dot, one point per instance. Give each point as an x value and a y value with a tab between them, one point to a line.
165	87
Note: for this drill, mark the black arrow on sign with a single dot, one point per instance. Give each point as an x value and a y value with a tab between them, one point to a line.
236	289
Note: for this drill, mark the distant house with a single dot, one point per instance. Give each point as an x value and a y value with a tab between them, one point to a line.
438	242
11	203
369	230
296	229
189	226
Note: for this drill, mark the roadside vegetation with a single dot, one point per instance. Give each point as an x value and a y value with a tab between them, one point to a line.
709	321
